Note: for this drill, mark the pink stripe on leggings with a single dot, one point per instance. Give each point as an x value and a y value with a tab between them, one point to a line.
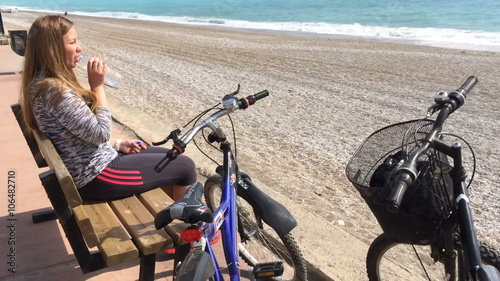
120	182
121	177
121	172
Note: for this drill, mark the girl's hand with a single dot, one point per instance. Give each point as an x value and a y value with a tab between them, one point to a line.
96	71
132	146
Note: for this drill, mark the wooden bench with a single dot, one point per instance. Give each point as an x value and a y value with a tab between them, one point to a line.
121	230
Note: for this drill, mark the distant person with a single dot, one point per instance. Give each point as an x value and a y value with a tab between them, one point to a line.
66	13
78	121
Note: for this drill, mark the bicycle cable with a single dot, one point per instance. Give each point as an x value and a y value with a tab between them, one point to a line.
411	133
206	140
198	117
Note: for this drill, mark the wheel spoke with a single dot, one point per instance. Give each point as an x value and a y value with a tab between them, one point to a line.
421	262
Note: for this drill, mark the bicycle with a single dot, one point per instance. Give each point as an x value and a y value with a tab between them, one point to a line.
257	227
412	177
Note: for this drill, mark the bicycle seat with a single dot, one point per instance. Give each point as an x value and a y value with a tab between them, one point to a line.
189	209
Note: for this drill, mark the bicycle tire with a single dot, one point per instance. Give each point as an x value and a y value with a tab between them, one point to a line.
266	245
390	260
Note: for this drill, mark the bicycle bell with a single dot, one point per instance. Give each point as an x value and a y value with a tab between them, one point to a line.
230	103
441	97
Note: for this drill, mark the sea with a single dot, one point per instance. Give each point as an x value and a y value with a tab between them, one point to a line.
468	24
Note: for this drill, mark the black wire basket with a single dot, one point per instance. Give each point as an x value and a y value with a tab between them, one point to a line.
427	202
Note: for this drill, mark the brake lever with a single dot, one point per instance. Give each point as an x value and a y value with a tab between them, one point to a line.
174	135
440	99
226	97
432	109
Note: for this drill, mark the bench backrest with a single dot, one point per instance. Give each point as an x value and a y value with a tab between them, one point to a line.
28	136
45	154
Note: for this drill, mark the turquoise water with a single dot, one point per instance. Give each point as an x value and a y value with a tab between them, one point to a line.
439	21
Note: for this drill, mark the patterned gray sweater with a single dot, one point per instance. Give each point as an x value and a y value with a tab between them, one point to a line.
80	137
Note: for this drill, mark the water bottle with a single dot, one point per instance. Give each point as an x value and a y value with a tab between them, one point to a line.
112	78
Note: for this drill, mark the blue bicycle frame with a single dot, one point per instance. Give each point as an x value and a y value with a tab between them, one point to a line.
227	215
200	254
198	260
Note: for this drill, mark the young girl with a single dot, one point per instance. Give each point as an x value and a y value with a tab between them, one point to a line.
78	121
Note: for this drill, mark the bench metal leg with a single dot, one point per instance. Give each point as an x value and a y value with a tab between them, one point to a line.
147	268
44	216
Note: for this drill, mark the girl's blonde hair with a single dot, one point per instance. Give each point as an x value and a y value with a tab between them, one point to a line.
45	56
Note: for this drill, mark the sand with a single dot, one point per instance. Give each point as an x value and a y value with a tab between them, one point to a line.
327	94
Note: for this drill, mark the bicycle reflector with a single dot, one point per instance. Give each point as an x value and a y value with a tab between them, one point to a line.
191	234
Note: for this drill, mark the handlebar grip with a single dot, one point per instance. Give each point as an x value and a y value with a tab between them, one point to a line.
244	103
396	196
253	98
457	97
163	163
171	155
261	95
468	85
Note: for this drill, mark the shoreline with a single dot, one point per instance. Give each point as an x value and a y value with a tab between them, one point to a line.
310	34
326	96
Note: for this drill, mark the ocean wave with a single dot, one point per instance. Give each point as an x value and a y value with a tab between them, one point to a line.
450	38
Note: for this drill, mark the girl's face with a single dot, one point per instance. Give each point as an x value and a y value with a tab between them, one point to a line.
71	48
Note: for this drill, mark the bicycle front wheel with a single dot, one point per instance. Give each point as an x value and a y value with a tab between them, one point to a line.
390	260
262	243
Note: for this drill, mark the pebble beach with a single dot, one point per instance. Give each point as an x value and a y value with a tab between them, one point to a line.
327	94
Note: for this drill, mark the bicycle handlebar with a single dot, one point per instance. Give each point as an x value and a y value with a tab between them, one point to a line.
230	104
407	173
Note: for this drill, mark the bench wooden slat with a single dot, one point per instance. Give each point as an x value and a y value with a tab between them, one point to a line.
115	244
156	200
85	225
140	224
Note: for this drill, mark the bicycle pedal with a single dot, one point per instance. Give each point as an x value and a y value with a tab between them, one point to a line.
269	269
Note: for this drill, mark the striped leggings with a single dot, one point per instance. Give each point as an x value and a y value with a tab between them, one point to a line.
131	174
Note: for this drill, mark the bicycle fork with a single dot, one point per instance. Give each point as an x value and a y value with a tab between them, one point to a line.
444	251
471	256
